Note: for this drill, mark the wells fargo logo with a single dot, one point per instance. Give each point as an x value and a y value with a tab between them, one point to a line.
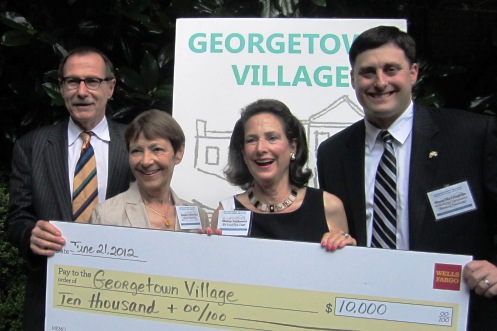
447	277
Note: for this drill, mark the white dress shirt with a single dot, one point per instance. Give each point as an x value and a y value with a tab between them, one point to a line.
100	143
401	131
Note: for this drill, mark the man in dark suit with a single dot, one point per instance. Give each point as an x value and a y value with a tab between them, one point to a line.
435	149
43	166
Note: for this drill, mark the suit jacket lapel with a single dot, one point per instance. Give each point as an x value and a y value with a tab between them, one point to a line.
134	208
55	159
117	159
354	172
422	170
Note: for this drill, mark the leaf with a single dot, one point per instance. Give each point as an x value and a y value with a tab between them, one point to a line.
431	100
52	76
164	91
15	38
153	28
47	38
149	71
53	90
137	6
89	26
164	20
166	55
288	7
131	79
483	104
126	49
57	102
123	111
266	8
140	96
137	17
481	100
16	21
320	3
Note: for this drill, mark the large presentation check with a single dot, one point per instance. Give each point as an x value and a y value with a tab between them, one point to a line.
116	278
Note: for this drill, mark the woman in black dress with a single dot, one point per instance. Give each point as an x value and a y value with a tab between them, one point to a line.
267	158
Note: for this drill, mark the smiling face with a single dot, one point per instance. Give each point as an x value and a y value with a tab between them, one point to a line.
86	107
382	79
266	149
152	163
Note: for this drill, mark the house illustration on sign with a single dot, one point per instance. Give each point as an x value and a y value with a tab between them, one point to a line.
211	146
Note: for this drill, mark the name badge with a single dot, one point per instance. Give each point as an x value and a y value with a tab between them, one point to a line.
188	217
451	200
234	222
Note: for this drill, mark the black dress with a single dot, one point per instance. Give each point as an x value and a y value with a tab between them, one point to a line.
308	223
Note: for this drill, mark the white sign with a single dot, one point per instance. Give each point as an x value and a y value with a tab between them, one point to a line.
222	65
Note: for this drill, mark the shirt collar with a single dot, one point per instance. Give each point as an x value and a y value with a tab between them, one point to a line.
101	131
400	129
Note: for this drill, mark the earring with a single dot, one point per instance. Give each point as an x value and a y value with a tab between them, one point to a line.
292	156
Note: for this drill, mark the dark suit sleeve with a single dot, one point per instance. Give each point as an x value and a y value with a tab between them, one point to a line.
490	177
327	165
119	171
320	167
21	219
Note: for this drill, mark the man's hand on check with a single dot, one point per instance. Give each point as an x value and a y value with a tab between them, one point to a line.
481	276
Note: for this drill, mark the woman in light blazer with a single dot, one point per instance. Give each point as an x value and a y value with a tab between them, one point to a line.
156	145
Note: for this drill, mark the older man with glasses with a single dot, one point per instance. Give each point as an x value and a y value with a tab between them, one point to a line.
60	172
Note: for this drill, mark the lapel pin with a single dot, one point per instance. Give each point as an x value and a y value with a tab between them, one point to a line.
433	154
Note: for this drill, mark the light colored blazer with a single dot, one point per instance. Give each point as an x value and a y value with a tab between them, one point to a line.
128	209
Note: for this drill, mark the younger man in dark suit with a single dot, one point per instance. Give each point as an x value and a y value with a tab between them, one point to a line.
434	152
44	163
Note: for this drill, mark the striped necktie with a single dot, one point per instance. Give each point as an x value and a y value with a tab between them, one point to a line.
85	192
385	198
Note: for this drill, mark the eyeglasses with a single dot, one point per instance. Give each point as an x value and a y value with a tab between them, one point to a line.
72	83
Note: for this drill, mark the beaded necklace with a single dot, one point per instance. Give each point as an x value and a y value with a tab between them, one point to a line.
272	208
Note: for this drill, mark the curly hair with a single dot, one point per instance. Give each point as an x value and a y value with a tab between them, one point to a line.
237	172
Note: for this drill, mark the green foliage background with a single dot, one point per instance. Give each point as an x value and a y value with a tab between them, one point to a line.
457	46
11	274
